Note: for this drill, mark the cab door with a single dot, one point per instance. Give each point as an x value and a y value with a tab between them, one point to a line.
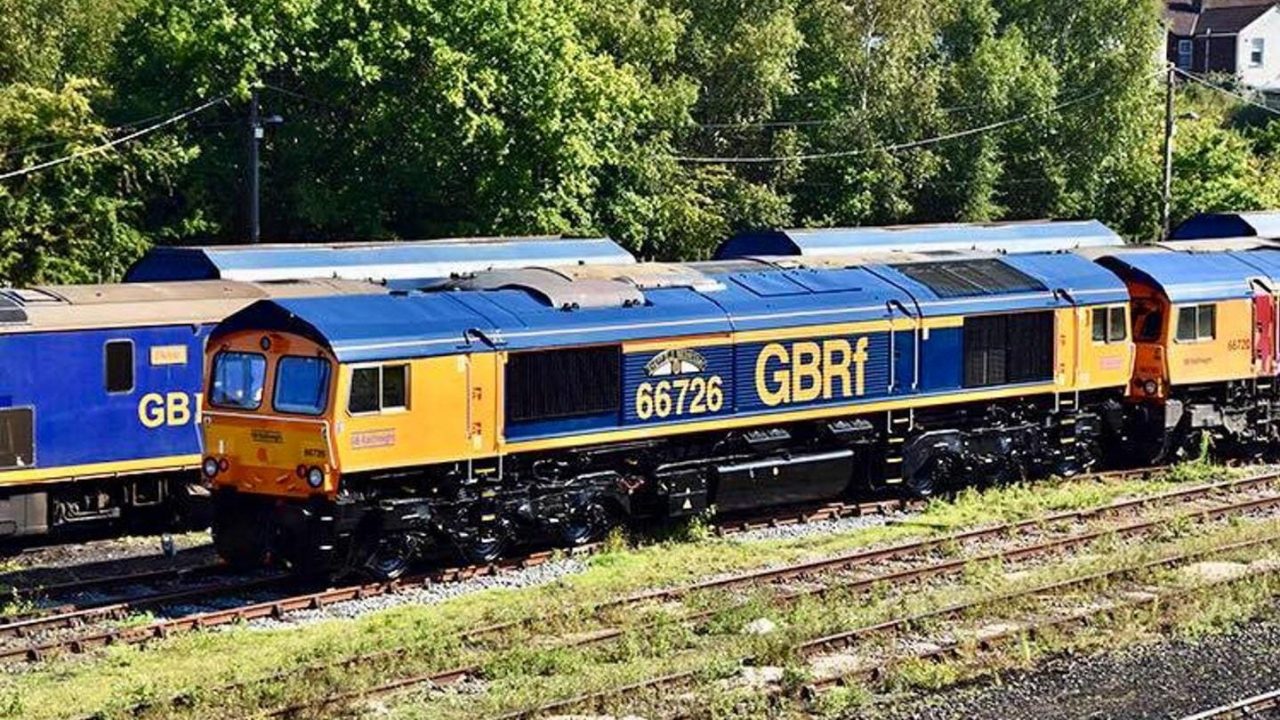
1264	330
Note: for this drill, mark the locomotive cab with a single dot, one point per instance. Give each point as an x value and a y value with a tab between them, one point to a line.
267	426
299	440
1205	355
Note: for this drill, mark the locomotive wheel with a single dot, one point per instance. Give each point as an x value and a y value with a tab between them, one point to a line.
584	525
389	556
485	546
937	476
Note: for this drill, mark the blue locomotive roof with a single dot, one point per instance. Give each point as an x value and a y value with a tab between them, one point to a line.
1263	261
369	261
1189	277
1084	280
527	310
1230	225
768	299
1012	237
438	323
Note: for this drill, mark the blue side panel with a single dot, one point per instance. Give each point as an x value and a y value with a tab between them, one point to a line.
789	375
904	348
62	375
697	383
942	361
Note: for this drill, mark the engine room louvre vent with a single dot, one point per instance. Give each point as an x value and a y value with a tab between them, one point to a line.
1008	349
554	384
969	278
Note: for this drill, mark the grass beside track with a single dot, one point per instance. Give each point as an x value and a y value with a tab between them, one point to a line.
115	680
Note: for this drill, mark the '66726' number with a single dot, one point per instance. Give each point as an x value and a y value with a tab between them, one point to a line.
680	396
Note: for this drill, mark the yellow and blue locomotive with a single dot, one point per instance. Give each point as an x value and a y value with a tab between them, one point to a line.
352	432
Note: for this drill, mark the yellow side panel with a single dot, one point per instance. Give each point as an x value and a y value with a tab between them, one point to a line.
1066	350
436	427
485	401
1229	356
1103	364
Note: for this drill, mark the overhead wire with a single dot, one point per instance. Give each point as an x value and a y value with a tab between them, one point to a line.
894	147
793	123
182	115
1224	91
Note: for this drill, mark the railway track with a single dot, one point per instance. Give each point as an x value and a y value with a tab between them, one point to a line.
879	670
1248	708
600	701
925	570
77	615
71	616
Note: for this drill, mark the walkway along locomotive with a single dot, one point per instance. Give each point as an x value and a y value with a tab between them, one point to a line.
351	432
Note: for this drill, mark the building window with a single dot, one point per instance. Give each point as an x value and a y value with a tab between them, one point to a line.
119	361
1257	52
1109	325
1197	322
1184	54
373	389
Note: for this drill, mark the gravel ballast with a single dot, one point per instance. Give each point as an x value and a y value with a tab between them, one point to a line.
1169	679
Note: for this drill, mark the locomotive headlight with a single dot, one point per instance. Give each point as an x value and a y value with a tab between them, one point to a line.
210	467
315	477
1150	387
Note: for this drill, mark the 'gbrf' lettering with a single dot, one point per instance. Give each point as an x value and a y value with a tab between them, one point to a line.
807	371
172	409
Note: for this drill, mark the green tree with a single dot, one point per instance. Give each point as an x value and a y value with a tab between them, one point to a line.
423	118
79	221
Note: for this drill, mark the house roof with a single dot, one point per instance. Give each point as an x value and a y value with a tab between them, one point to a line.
1182	18
1213	17
1230	20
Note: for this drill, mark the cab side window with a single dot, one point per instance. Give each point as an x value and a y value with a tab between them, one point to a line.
17	438
118	356
1109	325
1197	322
374	389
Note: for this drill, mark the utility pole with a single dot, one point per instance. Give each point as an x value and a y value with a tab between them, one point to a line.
255	137
257	125
1166	209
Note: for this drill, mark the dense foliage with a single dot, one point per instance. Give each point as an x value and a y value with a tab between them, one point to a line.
419	118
